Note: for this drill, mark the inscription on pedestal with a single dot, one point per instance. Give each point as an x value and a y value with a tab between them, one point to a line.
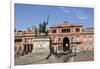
41	45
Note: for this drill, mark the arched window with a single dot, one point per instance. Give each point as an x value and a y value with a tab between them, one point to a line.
20	40
29	40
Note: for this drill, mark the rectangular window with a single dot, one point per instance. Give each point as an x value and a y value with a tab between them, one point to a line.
65	30
54	31
77	30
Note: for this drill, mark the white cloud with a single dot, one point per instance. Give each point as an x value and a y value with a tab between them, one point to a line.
67	11
77	13
81	15
64	9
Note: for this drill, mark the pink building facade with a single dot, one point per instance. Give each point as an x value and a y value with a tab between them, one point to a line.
64	37
72	37
24	42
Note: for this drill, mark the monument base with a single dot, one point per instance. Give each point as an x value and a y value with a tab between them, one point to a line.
41	45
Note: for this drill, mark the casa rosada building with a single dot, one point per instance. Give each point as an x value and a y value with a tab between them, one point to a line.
64	37
73	37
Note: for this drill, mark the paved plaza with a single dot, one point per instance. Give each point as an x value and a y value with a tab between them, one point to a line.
40	58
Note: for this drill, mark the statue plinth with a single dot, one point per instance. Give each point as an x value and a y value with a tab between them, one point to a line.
42	34
41	44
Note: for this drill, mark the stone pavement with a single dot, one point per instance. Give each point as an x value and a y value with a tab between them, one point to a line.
84	56
37	59
40	58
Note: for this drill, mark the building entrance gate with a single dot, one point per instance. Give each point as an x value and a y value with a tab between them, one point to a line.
66	44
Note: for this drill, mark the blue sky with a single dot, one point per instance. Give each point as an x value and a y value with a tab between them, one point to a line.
27	15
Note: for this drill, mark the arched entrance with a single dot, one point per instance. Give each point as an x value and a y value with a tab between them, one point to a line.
66	44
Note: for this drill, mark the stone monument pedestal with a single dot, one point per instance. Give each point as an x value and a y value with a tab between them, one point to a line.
41	44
